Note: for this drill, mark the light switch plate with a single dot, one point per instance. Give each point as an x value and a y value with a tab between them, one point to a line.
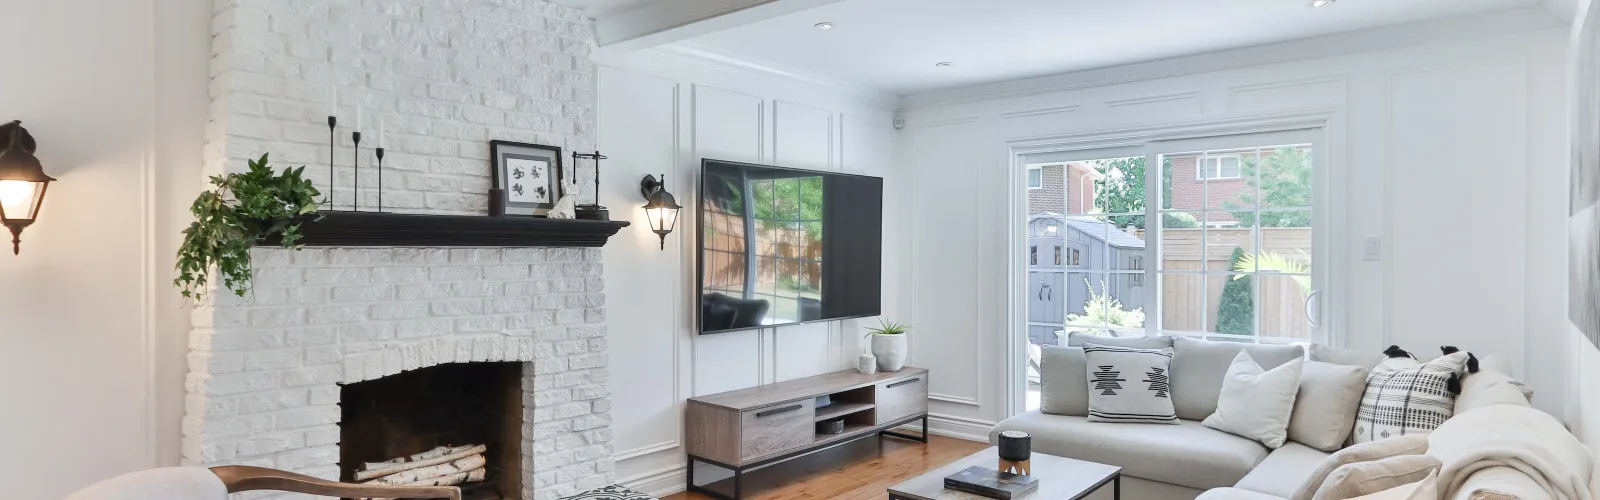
1372	248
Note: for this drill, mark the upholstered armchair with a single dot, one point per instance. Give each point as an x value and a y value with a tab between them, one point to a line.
198	483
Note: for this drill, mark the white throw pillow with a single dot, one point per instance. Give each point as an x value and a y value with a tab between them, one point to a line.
1257	403
1129	385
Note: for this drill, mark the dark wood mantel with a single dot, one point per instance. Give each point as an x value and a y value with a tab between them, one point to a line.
374	229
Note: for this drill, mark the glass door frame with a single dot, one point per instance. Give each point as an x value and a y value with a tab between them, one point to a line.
1326	137
1155	150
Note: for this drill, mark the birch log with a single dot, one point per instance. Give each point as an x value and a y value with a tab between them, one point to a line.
420	474
450	480
434	459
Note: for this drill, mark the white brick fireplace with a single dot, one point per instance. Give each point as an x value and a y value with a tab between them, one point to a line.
265	372
445	77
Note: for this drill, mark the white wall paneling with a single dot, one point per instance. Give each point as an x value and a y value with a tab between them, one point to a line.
93	365
1404	164
660	113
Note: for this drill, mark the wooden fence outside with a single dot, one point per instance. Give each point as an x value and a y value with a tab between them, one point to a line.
1280	303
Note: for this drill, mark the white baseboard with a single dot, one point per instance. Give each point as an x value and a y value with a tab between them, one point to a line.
670	480
953	426
659	483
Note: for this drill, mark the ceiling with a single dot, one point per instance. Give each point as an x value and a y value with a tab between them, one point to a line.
893	45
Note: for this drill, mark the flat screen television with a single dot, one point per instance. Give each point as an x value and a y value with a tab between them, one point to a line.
782	246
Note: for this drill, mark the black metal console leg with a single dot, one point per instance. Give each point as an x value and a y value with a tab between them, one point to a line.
738	481
920	439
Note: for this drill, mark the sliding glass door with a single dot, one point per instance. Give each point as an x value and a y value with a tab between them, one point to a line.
1215	238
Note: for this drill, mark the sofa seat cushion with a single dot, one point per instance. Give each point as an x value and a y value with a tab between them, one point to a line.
1235	494
1187	454
1284	470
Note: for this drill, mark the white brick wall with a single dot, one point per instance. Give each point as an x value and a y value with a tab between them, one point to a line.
264	371
447	76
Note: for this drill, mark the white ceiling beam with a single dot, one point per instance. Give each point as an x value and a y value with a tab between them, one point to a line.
666	21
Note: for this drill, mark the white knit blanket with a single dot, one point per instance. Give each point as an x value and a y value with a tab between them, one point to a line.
1522	438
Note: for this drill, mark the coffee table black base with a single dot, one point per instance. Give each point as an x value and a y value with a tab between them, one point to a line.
739	470
1116	490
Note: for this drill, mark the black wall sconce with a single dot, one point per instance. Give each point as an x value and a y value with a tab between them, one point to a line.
22	182
660	206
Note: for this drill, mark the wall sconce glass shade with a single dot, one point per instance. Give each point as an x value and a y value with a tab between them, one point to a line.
22	183
661	208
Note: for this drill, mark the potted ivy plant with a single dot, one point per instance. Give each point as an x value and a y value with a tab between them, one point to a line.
889	345
240	211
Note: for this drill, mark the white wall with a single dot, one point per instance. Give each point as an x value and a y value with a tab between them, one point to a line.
660	113
91	373
1450	150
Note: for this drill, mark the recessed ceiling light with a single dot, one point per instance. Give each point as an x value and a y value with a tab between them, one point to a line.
1321	3
824	26
945	64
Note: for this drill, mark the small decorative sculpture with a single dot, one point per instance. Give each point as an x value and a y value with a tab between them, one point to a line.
1016	448
566	207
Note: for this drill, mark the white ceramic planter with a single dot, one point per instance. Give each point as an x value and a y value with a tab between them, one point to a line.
890	350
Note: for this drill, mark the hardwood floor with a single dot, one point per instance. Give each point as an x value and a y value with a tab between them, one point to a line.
857	471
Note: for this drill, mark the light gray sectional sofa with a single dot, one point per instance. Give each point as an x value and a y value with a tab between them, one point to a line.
1180	462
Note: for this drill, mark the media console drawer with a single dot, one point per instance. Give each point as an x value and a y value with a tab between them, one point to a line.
901	398
774	429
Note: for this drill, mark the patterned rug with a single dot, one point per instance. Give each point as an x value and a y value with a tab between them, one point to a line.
611	493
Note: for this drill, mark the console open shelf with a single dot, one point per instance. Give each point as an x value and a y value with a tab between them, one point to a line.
842	409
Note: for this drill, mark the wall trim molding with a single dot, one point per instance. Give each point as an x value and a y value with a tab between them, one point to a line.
954	399
694	53
645	450
1040	111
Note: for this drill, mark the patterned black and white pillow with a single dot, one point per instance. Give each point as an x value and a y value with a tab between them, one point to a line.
1405	397
1130	385
610	493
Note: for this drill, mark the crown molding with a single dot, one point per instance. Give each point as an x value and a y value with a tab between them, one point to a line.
694	53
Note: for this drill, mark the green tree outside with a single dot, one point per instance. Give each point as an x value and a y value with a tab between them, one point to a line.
1285	181
1122	190
1236	307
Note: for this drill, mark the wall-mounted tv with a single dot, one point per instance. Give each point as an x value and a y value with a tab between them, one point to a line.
782	246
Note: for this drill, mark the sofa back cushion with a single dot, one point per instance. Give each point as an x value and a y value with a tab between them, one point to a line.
1489	387
1077	339
1349	357
1325	409
1199	366
1064	373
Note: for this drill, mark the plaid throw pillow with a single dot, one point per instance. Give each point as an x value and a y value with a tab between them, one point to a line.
1129	385
1405	397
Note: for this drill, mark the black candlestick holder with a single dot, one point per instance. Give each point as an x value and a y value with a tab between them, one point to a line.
355	182
333	123
380	173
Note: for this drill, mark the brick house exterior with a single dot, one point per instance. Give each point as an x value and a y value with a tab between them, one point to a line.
1192	193
1062	193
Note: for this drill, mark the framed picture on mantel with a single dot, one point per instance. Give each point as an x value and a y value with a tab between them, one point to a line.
529	174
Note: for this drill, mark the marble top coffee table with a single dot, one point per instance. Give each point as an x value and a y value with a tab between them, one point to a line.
1059	478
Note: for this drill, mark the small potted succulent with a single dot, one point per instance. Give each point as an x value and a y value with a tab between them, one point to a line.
889	345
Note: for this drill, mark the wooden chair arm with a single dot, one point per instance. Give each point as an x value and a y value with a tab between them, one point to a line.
239	478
